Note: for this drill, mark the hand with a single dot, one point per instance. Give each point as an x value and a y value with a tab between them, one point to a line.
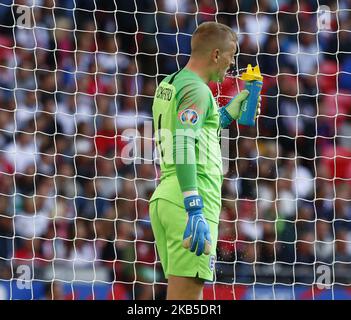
197	232
234	105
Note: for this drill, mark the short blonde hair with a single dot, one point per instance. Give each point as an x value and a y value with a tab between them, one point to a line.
211	35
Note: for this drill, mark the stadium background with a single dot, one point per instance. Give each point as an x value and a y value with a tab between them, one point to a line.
73	211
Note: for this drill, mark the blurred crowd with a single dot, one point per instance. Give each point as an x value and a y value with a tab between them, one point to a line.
76	88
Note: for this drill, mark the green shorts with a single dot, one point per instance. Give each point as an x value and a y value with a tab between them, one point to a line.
168	223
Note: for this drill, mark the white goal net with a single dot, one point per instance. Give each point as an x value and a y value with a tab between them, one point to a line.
77	79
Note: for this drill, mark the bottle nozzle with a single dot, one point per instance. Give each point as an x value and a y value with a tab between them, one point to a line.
252	73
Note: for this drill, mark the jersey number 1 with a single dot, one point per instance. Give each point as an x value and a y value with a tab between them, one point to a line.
159	140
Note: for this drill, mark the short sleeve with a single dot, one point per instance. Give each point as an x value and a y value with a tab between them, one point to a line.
193	104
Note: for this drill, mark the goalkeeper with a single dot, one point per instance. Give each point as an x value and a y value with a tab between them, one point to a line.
185	207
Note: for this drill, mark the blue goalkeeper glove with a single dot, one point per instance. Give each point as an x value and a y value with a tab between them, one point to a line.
197	232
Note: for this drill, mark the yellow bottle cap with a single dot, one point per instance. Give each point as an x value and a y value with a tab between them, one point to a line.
252	74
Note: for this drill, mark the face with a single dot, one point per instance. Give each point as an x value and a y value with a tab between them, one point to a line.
224	61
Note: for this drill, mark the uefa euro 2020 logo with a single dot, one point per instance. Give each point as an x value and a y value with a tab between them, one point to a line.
189	116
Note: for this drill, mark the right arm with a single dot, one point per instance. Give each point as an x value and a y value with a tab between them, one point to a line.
191	113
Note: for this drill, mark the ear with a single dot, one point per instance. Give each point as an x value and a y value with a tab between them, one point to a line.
215	55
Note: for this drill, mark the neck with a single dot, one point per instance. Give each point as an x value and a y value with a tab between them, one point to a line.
199	67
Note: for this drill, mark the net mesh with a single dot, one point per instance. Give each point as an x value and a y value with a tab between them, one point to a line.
77	165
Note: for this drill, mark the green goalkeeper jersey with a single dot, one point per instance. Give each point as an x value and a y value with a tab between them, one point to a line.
186	119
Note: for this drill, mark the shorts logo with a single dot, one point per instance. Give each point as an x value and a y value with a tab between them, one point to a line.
212	262
189	116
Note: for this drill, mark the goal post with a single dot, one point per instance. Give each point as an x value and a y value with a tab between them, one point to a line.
78	162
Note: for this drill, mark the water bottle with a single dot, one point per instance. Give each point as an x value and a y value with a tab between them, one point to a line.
253	83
